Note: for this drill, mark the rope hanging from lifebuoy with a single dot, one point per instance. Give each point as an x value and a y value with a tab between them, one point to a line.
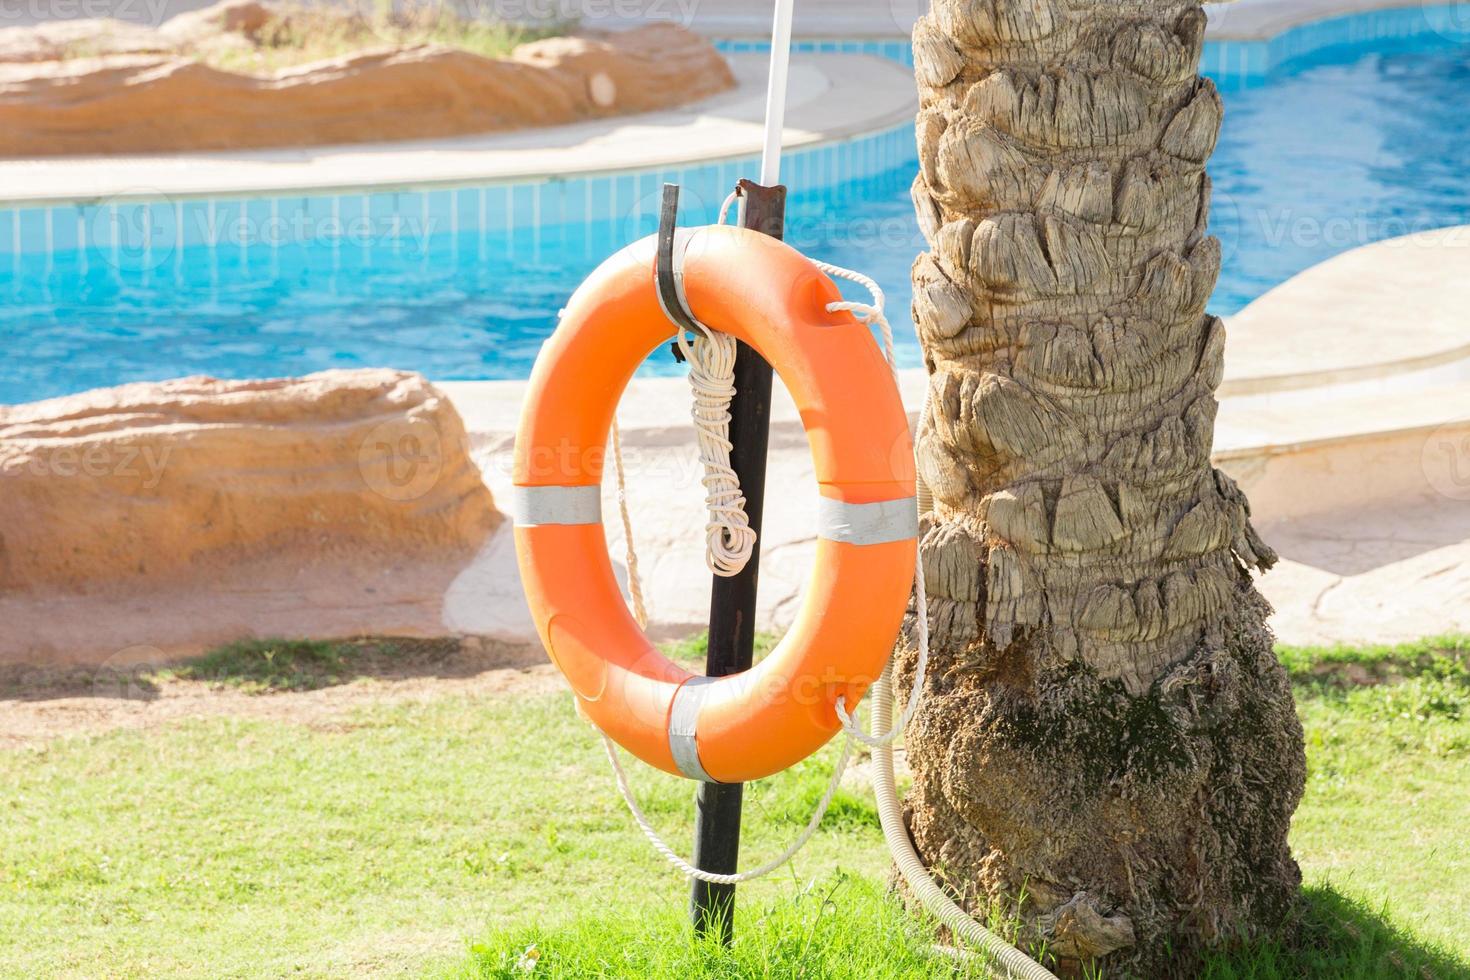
885	729
718	472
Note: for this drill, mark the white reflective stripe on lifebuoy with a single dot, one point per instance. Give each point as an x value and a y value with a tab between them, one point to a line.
530	506
683	721
875	523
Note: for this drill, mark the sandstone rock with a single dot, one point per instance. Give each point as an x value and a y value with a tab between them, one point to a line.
242	17
140	91
649	68
141	486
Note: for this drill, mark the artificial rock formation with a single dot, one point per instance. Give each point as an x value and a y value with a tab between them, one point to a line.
1106	729
137	90
148	486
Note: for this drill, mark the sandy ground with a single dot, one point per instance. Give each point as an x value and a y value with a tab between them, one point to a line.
38	704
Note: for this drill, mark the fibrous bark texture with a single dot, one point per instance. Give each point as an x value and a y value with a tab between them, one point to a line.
1106	730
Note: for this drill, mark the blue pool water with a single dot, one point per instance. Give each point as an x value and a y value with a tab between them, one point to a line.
1330	151
1338	151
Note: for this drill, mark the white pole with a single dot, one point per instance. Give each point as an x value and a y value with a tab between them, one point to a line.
776	93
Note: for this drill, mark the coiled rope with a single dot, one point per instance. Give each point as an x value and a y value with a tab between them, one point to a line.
728	538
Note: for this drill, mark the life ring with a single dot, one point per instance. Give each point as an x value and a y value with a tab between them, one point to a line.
760	722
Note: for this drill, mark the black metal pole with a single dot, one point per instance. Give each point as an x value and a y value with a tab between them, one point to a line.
732	600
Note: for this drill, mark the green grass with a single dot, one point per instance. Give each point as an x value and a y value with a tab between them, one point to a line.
694	648
1388	781
448	837
838	926
276	664
267	666
1358	665
1343	938
378	845
272	665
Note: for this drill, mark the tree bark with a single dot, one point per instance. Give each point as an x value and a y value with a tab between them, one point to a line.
1108	743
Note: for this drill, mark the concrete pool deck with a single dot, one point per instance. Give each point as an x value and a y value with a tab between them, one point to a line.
1394	307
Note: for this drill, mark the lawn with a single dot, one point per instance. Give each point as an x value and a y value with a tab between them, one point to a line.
466	836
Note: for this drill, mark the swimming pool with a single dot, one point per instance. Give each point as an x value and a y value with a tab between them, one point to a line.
1326	146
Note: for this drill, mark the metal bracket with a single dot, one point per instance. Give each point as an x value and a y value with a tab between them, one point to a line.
665	275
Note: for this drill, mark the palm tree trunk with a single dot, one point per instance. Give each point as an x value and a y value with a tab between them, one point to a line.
1108	742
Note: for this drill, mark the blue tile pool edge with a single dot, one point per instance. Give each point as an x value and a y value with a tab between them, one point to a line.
284	219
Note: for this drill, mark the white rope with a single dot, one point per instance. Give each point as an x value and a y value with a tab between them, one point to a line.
711	358
872	313
690	870
725	207
635	581
729	540
1010	961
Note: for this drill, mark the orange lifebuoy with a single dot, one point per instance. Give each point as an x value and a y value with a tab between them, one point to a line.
754	724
